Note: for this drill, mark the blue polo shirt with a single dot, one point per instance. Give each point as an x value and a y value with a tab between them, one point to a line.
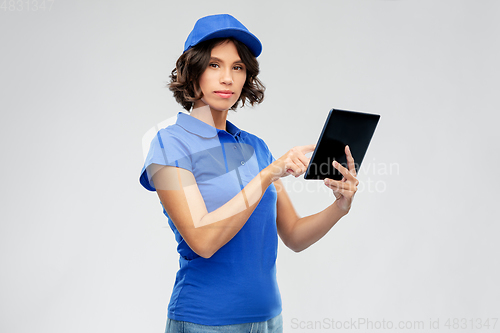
238	283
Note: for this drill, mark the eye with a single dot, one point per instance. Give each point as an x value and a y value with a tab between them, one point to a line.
213	65
238	68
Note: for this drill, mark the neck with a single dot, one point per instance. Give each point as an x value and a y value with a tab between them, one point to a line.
210	116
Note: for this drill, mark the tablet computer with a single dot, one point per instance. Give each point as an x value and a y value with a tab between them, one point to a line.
341	128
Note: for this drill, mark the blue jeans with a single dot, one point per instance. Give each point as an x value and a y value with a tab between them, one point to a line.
273	325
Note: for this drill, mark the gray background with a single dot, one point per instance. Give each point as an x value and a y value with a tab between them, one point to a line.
83	248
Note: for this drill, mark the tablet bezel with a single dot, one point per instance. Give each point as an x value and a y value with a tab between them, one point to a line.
349	121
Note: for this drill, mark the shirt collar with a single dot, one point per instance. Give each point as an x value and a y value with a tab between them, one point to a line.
232	129
198	127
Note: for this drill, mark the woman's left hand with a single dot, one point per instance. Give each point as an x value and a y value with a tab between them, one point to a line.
344	189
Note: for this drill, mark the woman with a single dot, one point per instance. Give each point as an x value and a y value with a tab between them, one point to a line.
221	191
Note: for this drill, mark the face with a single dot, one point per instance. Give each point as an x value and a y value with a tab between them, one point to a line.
223	80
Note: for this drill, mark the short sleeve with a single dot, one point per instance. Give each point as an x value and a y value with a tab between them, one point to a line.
270	157
165	149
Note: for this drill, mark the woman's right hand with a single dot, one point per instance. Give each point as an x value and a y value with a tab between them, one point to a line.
294	162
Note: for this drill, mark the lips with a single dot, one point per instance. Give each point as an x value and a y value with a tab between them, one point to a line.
224	93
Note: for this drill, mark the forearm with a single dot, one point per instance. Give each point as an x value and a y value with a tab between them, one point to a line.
218	227
308	230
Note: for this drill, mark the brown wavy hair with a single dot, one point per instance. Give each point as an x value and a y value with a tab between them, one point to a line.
184	79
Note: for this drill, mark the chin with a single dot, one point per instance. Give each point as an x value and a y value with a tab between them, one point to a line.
222	106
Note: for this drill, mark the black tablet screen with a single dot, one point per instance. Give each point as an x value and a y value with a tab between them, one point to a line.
341	128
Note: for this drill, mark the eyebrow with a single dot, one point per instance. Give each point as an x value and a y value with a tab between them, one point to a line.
239	61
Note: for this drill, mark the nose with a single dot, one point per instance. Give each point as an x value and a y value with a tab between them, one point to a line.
226	76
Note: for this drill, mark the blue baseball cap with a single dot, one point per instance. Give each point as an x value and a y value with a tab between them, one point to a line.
221	26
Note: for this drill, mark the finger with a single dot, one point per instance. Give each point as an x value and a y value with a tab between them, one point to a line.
350	161
340	191
293	169
339	184
344	192
344	172
306	149
300	162
303	159
296	166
